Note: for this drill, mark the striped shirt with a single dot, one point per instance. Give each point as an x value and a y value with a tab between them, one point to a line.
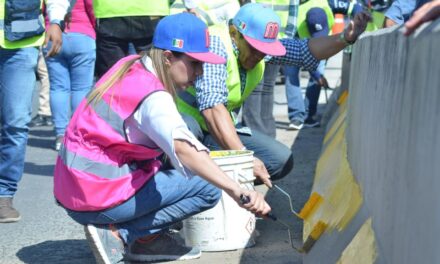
211	87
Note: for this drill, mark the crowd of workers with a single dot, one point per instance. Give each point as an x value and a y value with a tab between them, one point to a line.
133	147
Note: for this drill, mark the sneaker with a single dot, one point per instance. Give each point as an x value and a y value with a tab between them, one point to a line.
107	247
295	125
310	122
8	214
161	247
58	142
41	120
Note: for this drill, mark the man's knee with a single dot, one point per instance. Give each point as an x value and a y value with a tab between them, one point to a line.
211	196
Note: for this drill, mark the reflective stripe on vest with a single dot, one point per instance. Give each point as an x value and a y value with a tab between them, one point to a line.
282	8
33	41
80	163
187	103
179	7
109	116
303	31
124	8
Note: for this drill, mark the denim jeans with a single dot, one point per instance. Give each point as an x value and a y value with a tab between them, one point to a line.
17	83
297	107
71	77
258	107
165	199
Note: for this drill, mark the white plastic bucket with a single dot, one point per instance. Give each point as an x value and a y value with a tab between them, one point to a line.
226	226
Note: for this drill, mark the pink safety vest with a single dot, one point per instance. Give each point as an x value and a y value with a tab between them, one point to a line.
97	168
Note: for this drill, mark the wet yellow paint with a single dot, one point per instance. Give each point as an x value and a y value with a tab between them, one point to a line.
335	182
362	249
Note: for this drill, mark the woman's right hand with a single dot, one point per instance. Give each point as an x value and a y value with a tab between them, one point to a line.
254	202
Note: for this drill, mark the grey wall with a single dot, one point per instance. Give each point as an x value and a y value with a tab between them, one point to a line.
393	137
393	140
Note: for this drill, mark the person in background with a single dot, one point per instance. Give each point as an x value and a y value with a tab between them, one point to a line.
44	115
257	111
315	19
71	71
109	175
401	10
18	62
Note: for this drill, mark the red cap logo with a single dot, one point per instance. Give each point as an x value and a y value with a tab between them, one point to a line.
207	38
271	30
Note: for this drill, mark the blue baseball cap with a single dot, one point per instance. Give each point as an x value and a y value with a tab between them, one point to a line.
317	24
185	33
259	26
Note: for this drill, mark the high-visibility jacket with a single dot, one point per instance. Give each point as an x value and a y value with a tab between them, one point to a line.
124	8
21	24
303	31
186	102
204	9
97	168
281	8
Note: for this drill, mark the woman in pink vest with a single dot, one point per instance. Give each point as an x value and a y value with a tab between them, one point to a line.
109	174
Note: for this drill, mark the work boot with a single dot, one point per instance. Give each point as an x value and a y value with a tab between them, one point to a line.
160	247
106	245
8	213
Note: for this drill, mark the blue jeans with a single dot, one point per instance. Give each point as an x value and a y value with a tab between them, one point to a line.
297	107
17	83
258	107
277	158
71	77
165	199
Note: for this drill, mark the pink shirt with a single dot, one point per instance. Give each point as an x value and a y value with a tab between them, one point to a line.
82	19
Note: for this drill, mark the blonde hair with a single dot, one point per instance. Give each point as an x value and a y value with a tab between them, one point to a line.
159	64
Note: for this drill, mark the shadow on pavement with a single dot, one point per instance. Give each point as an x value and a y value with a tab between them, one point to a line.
55	252
41	170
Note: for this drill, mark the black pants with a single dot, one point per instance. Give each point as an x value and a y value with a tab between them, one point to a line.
113	36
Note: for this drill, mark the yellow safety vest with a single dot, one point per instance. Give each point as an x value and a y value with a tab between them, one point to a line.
203	9
122	8
186	102
303	31
281	8
29	42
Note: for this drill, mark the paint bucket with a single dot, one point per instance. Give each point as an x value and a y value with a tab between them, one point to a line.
226	226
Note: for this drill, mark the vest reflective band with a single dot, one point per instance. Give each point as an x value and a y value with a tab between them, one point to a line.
19	26
97	168
203	9
186	101
282	8
122	8
303	31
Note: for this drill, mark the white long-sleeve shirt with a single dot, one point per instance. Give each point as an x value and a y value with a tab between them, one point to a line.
57	9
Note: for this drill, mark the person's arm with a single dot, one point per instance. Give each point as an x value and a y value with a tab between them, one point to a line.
56	10
325	47
211	94
427	12
158	127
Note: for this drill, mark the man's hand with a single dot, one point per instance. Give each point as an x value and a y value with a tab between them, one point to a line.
261	173
427	12
55	35
322	81
357	26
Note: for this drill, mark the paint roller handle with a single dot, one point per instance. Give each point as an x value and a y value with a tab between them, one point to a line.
245	199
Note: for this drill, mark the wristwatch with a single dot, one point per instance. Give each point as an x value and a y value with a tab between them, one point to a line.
60	23
343	39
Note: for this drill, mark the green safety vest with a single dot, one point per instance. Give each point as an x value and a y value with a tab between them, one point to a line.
203	9
186	101
377	22
281	8
35	41
303	31
123	8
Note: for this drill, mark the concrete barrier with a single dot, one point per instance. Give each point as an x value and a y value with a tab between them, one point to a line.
379	171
